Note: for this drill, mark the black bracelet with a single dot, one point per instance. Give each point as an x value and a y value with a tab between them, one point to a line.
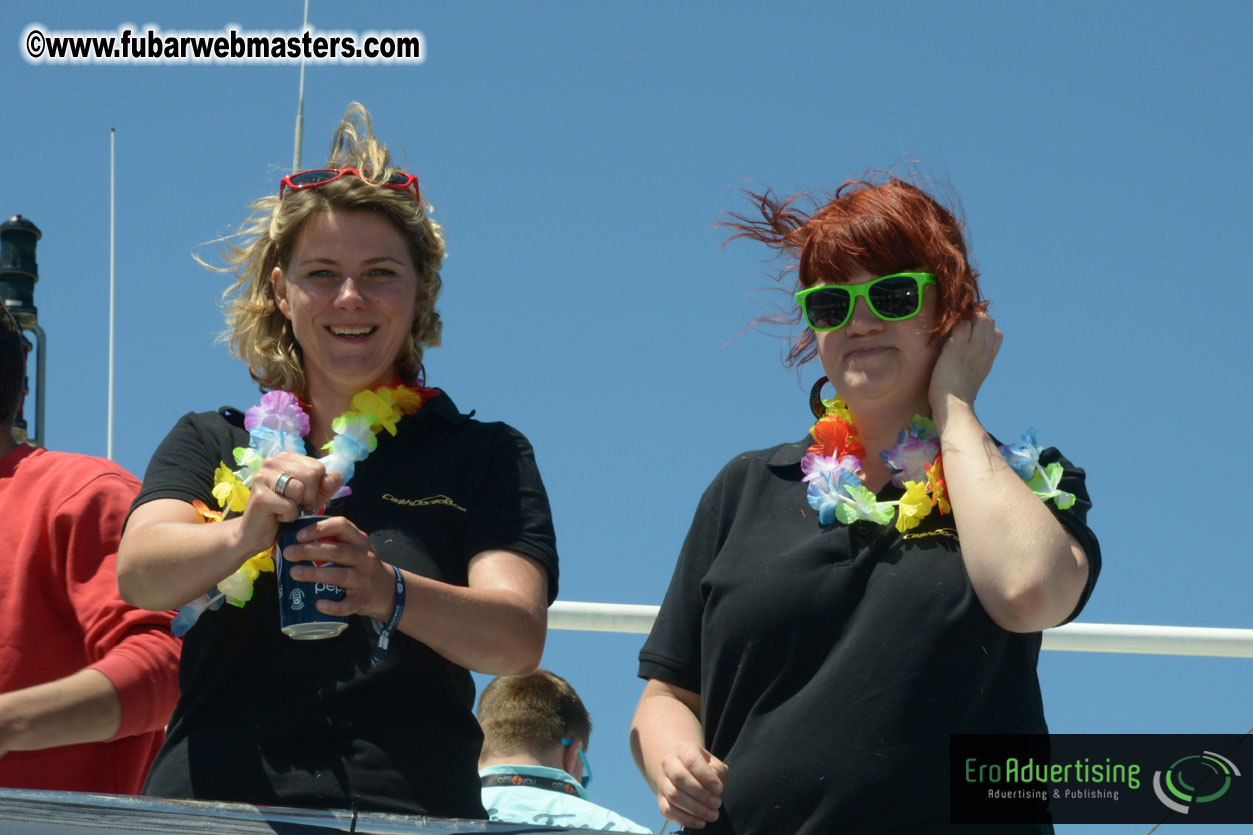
385	636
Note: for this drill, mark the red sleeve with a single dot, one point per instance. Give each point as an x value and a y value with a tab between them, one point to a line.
133	648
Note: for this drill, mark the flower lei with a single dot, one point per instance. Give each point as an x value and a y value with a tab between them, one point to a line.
279	422
832	468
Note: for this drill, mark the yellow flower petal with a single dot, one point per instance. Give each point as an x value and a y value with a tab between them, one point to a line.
405	398
263	561
380	405
836	406
230	492
915	505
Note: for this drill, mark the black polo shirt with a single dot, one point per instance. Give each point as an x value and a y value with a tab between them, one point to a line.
833	662
265	719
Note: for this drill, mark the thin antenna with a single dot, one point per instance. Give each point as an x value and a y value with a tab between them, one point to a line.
112	247
300	108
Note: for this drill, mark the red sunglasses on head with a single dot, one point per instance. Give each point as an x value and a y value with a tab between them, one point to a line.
321	176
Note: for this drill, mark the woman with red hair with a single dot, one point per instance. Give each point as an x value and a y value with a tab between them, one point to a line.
844	603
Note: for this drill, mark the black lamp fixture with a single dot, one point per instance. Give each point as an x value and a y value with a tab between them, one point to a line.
18	275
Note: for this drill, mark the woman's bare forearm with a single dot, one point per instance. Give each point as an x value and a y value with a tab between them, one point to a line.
661	722
168	557
489	630
668	745
1026	569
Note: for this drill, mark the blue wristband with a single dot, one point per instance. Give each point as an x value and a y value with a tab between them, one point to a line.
385	636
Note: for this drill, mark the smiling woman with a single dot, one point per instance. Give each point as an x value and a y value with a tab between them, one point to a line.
349	294
333	306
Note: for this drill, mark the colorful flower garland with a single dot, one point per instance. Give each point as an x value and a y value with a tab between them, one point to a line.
279	422
833	471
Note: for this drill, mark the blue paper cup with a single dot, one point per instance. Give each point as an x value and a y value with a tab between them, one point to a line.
298	613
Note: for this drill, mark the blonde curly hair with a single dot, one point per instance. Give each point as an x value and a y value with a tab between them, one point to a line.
256	331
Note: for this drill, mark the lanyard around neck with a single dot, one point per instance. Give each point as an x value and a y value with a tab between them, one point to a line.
545	783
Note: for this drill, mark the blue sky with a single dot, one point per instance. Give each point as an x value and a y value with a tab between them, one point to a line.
579	155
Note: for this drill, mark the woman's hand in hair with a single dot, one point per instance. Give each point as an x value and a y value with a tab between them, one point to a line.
964	362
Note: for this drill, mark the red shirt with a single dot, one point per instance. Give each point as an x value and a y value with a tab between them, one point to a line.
61	518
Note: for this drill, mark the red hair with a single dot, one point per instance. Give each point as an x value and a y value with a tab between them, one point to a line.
882	227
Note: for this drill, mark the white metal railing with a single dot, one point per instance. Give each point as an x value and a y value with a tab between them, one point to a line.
1073	637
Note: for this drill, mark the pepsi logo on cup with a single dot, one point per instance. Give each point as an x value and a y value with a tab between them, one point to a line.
299	617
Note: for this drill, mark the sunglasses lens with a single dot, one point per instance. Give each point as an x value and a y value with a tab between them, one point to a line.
400	178
895	297
827	308
312	178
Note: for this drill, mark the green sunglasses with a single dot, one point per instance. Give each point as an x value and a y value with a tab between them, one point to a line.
828	307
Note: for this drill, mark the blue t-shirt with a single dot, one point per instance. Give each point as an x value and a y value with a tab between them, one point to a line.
563	805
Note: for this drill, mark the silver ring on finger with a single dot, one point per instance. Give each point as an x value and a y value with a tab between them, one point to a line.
280	483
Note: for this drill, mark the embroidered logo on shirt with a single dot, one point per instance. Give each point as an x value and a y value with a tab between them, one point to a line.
429	501
949	532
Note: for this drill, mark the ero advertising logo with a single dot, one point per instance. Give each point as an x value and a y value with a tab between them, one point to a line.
1194	779
1100	778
